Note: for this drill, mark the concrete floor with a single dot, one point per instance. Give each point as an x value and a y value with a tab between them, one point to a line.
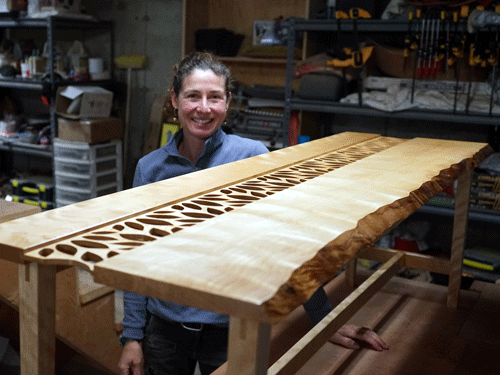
71	363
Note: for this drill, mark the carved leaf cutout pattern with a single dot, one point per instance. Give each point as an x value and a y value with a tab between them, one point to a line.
87	249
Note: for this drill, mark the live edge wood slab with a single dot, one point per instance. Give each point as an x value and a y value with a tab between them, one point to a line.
252	239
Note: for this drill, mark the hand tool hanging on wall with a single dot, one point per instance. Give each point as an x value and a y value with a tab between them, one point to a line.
408	40
457	53
488	55
473	60
447	44
493	61
353	56
437	55
423	47
418	62
428	65
354	14
345	57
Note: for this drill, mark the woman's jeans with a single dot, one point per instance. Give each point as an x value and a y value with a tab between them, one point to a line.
172	348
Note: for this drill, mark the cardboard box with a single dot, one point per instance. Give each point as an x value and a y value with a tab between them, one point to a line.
90	131
77	102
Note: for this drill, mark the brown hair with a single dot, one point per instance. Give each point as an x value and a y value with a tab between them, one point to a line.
203	61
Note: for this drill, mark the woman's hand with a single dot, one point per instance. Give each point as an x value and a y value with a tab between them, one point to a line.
131	360
349	335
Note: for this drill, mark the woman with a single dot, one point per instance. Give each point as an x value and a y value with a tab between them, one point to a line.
170	338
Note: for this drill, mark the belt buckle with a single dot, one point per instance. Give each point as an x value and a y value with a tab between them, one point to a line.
197	329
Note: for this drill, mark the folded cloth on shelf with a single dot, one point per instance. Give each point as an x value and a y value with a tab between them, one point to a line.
396	98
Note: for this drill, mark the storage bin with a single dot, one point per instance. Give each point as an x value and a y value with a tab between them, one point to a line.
62	165
82	151
33	201
83	171
33	189
87	182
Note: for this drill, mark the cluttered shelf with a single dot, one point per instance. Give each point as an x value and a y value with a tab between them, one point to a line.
349	25
392	74
253	60
62	22
473	117
21	83
474	214
430	68
34	73
36	84
25	148
484	195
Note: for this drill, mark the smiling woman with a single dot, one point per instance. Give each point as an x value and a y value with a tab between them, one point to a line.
201	104
161	337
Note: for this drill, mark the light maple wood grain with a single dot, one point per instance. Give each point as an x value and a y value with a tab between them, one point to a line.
20	236
260	260
264	259
37	290
248	347
459	236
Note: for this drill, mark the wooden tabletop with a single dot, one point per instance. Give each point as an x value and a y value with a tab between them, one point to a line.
24	235
264	259
253	238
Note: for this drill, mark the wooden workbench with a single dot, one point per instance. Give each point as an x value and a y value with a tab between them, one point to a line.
252	239
85	324
16	210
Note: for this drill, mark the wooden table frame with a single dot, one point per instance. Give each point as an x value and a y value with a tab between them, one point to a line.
248	338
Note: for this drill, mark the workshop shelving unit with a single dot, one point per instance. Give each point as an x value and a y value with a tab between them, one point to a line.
297	26
51	26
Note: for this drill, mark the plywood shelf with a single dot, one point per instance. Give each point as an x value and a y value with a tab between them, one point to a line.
239	16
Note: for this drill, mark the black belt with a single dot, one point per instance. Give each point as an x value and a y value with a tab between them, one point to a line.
197	327
189	326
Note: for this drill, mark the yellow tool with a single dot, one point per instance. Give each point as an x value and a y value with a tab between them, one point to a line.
354	13
340	15
365	54
464	11
473	58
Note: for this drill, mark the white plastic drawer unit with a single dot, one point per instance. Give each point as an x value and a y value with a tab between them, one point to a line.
87	168
82	151
90	183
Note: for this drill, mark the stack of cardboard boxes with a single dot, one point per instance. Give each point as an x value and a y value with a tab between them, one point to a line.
88	150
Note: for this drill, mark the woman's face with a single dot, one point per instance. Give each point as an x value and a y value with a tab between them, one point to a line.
202	103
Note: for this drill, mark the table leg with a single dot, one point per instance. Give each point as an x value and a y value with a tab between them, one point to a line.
248	352
462	200
37	288
350	273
